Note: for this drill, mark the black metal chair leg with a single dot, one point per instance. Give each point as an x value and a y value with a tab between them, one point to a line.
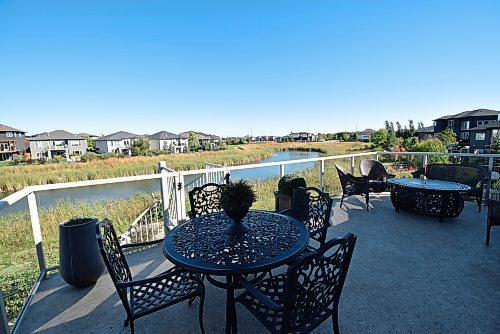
132	328
200	311
488	232
125	323
335	321
342	201
367	202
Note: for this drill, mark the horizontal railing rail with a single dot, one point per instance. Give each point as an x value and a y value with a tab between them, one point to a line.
173	188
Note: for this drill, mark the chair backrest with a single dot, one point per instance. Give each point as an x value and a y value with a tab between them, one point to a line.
205	199
493	212
113	257
111	252
314	284
344	179
372	169
312	207
469	175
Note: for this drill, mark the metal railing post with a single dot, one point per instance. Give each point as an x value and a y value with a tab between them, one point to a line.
178	200
165	198
490	170
377	157
352	165
282	170
4	323
37	233
322	175
424	160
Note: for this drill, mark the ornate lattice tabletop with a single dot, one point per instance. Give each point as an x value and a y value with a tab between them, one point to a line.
204	246
430	197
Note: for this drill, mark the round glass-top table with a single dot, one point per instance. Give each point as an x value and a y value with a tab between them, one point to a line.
203	245
443	199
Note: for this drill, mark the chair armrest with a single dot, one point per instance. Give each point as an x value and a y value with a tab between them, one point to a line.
165	275
357	179
252	290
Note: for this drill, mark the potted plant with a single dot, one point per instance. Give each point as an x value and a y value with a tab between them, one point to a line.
495	189
286	184
80	263
236	199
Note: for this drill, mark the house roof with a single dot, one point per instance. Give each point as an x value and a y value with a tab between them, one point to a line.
427	129
163	135
199	135
5	128
56	135
471	113
491	125
88	134
367	132
120	135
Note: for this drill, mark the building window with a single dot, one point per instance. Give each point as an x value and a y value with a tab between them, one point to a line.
479	123
451	122
487	122
465	125
8	134
480	136
75	142
464	135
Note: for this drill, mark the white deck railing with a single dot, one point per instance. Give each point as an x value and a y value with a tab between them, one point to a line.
173	187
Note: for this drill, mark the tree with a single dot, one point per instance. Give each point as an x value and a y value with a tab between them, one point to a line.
380	138
141	146
420	125
355	136
432	145
448	137
412	128
387	126
90	143
345	136
495	143
193	142
222	144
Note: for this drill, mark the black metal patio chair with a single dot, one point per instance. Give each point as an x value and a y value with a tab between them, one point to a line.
205	199
306	295
376	173
145	296
313	207
493	217
353	185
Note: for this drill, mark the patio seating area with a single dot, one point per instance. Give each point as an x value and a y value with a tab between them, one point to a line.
408	274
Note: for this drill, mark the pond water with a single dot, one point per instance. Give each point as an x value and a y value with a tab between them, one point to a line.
124	190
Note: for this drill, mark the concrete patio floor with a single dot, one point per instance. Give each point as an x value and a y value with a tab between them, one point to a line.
409	274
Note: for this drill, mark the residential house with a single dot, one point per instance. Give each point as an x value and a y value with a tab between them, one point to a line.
12	142
164	140
480	136
203	138
302	136
118	142
56	143
463	122
366	135
425	132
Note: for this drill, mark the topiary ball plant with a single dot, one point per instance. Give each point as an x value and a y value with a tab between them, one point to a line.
288	182
237	195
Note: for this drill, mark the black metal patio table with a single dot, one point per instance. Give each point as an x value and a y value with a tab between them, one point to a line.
202	245
429	197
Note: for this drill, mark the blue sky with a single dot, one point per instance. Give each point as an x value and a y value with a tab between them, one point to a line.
239	67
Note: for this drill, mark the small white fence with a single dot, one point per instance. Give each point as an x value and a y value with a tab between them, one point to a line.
173	194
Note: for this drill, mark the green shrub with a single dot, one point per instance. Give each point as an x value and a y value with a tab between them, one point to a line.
90	156
237	195
288	182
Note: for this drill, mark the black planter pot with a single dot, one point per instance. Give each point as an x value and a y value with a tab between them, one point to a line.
281	202
80	262
237	227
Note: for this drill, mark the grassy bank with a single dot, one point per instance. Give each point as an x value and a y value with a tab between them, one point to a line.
17	177
18	261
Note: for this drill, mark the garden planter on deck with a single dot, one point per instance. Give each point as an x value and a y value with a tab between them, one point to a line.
80	263
282	202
